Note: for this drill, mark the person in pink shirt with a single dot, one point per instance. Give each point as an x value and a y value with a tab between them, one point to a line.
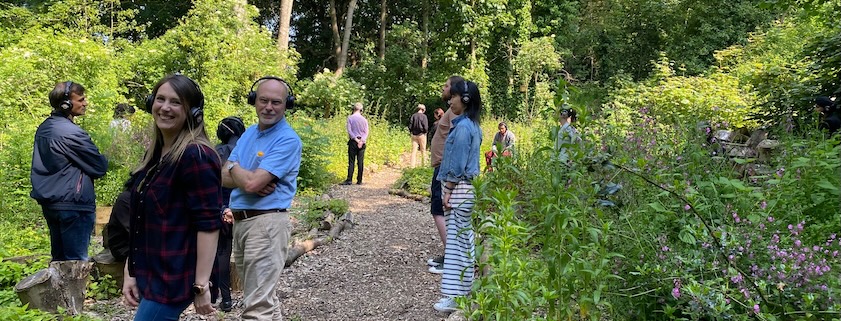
357	131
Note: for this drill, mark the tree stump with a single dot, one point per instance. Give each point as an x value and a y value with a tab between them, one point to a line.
62	284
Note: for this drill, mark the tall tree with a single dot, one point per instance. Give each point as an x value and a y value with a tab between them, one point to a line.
425	30
383	16
346	39
334	26
283	28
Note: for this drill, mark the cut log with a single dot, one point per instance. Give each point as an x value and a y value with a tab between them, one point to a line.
62	284
298	249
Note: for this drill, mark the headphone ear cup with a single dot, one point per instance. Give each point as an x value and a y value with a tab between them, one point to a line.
290	102
65	105
465	98
198	114
252	98
147	107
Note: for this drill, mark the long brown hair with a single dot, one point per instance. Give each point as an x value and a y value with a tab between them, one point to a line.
192	132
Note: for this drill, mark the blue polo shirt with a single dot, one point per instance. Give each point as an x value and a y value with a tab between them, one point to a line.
276	150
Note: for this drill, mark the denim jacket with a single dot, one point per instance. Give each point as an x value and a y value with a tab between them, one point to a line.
461	151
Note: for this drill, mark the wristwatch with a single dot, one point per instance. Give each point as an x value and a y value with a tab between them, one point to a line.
230	166
201	289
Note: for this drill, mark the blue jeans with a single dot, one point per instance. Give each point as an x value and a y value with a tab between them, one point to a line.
70	233
153	311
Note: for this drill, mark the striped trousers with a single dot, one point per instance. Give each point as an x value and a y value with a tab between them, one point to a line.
459	263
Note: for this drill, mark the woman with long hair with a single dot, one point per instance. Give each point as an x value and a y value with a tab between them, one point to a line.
176	201
460	164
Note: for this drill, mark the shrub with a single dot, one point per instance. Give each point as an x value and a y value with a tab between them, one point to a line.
415	180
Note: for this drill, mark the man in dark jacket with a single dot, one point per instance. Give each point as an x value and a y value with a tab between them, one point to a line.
65	162
418	126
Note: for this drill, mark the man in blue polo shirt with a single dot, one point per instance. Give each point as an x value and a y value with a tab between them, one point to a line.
263	169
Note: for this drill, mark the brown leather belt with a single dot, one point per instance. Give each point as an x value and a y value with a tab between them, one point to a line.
244	214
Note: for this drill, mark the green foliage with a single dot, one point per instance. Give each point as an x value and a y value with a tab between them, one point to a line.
415	180
676	100
22	313
17	240
316	209
327	96
312	174
104	288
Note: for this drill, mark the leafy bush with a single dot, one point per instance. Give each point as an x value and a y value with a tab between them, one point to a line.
415	180
316	209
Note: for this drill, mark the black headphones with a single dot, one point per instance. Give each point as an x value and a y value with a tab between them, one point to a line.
465	95
290	96
66	104
197	112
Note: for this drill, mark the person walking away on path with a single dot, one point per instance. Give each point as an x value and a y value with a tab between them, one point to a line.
357	131
228	131
263	171
175	202
503	140
567	135
436	205
830	120
418	126
65	162
459	166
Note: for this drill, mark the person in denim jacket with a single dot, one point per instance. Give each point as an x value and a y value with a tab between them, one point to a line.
460	164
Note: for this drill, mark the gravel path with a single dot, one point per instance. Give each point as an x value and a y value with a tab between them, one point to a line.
375	271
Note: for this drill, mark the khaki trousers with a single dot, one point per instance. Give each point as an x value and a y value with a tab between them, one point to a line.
260	247
419	141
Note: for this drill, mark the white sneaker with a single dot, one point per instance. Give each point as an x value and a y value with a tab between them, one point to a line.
436	269
436	261
446	304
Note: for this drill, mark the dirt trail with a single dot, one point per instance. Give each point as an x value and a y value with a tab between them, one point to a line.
375	271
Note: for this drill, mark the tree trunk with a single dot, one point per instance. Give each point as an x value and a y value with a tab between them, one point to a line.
62	284
283	29
383	16
334	25
346	39
425	45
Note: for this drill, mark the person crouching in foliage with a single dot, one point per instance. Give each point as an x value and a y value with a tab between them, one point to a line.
175	205
830	120
459	165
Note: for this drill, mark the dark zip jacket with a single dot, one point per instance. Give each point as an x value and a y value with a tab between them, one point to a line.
64	164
